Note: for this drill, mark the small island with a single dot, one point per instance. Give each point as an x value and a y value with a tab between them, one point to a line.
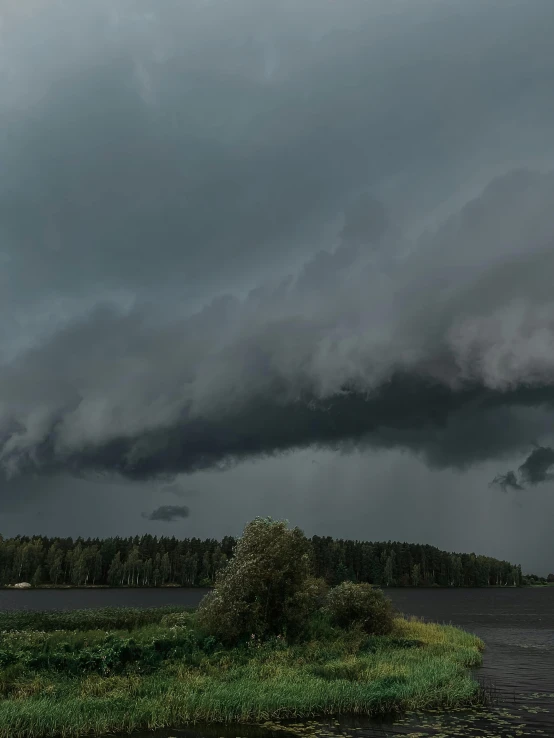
270	641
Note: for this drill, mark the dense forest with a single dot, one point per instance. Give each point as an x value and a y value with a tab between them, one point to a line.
149	561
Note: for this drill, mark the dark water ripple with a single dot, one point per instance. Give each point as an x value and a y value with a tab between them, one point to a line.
517	626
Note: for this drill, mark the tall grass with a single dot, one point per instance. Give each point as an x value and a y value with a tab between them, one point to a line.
106	618
177	675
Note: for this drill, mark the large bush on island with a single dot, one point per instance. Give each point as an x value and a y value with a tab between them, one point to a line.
351	604
266	588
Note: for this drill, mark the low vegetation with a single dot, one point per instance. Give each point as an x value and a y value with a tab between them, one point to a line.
531	580
271	642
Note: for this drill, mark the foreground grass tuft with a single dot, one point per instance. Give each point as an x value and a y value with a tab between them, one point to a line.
94	672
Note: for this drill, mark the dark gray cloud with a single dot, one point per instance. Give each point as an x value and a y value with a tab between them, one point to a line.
211	246
536	469
445	352
506	481
168	513
142	143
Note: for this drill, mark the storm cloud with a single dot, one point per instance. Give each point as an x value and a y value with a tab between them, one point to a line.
536	469
224	233
446	351
168	513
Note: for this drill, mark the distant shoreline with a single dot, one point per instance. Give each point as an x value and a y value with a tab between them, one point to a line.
96	586
182	586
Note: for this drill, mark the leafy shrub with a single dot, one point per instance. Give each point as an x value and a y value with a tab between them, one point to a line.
303	605
351	604
265	589
7	658
177	620
114	654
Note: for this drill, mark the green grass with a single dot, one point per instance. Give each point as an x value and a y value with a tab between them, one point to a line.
106	618
100	671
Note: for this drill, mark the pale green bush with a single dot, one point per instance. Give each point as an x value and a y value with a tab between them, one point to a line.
351	604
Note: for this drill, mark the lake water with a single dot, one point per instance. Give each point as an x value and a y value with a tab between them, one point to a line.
517	626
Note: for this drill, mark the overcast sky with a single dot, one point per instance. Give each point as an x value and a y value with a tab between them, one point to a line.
283	258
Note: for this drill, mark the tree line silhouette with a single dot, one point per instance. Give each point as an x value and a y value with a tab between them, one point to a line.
149	561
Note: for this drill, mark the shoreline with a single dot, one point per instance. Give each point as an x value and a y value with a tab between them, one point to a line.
209	587
96	586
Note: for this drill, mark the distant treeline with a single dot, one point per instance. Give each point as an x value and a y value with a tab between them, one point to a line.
149	561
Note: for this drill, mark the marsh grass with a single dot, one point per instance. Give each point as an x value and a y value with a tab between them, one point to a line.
106	618
154	670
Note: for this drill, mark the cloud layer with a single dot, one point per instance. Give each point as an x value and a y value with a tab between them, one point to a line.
445	348
209	232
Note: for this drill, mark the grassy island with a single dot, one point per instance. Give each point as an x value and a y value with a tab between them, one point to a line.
269	643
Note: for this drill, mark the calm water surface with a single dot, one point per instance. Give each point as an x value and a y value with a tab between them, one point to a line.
517	626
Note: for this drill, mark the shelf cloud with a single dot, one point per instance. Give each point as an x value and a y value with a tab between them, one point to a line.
444	349
233	231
